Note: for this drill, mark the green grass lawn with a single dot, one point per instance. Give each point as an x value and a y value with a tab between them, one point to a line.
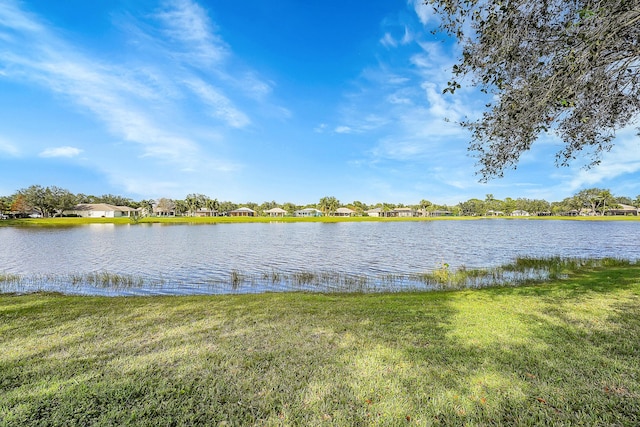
562	353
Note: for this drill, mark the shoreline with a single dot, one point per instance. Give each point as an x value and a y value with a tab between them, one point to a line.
57	222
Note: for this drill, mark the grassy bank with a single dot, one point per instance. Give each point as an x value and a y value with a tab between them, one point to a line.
61	222
560	353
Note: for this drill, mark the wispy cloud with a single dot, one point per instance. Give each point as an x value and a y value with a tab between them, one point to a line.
343	129
220	106
623	159
142	105
190	28
424	12
65	151
8	148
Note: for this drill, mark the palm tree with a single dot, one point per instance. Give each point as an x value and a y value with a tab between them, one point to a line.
212	205
328	205
194	202
606	199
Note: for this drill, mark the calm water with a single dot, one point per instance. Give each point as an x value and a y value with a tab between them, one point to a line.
203	258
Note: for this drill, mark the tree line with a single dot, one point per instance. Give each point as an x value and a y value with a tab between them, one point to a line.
54	201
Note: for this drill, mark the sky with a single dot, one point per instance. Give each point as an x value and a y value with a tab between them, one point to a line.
254	101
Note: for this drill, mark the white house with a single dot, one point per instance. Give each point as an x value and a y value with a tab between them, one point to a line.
243	211
307	212
344	212
101	210
276	212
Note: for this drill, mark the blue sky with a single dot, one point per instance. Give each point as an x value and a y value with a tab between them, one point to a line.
253	101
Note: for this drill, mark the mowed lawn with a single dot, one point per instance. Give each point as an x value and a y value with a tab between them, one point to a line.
563	353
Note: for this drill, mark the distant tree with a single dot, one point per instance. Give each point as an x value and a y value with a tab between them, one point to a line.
227	206
212	205
5	204
165	206
359	207
623	200
425	204
539	206
568	66
607	201
20	205
181	207
472	207
36	196
265	206
290	207
491	203
508	205
60	200
145	205
596	199
115	200
195	202
328	205
387	208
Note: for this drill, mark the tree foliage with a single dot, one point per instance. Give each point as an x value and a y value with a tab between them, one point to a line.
568	66
328	205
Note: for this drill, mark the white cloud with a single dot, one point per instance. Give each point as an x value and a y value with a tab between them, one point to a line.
424	12
8	148
321	128
12	17
188	24
221	106
343	129
139	105
623	159
388	41
65	151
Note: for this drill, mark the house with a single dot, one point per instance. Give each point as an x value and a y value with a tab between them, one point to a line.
623	210
441	213
374	212
520	212
307	212
244	211
403	212
163	212
276	212
101	210
204	212
344	212
379	212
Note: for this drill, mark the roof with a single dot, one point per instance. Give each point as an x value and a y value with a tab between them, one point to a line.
624	207
345	210
102	207
243	209
276	210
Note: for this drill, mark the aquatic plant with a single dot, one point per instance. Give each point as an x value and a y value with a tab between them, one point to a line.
521	271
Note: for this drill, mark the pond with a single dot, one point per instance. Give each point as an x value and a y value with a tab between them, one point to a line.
257	257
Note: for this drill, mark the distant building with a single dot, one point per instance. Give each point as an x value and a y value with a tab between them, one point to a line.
404	212
242	212
307	212
101	210
344	212
276	212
